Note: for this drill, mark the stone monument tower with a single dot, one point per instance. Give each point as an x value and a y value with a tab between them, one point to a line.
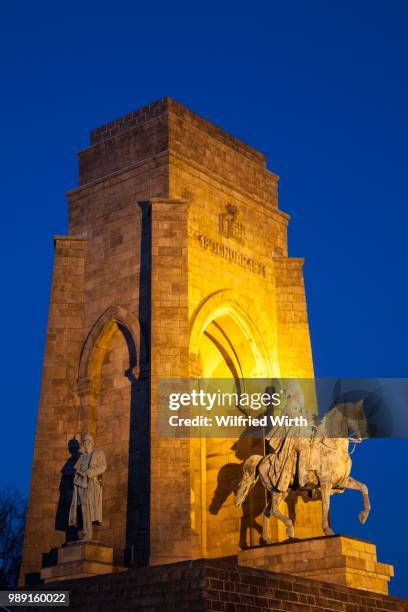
175	265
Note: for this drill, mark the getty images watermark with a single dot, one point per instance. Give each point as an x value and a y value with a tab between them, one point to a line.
220	400
231	408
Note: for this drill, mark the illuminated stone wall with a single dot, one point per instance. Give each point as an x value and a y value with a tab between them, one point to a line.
244	321
176	265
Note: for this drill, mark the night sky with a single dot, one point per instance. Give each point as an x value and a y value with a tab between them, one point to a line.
320	87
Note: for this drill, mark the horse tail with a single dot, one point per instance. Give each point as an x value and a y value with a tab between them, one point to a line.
249	478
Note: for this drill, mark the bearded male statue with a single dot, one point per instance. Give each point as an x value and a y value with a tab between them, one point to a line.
87	495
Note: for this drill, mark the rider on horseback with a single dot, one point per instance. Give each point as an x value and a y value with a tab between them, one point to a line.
291	449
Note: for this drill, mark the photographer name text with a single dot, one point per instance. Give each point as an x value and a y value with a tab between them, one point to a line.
238	421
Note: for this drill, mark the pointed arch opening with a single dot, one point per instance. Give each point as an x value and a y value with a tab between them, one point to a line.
113	385
225	344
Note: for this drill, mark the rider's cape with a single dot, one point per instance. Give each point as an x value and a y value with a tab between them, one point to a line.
283	444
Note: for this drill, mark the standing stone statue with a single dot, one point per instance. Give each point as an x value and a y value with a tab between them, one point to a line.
87	495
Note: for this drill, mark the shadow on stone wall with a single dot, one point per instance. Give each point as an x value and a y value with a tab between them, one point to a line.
228	479
66	489
138	501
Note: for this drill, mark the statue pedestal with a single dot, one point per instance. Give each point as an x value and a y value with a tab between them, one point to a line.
81	560
339	559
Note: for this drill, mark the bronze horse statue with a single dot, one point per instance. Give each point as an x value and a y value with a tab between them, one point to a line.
328	467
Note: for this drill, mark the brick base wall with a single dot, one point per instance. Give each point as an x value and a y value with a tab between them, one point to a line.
217	584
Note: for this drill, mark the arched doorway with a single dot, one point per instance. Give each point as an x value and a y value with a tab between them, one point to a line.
225	344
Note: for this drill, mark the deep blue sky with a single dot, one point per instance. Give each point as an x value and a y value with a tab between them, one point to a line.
320	87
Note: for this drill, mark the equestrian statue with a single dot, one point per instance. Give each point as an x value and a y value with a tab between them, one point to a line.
317	462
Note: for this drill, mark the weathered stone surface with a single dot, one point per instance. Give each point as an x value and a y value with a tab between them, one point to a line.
146	286
338	559
217	584
80	560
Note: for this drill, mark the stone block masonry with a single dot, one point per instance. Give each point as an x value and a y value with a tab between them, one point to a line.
137	297
217	585
337	559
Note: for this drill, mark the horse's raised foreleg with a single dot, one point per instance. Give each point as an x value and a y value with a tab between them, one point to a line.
325	489
276	500
360	486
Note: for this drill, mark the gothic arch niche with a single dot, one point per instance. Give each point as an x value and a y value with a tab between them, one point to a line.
114	406
225	343
112	425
